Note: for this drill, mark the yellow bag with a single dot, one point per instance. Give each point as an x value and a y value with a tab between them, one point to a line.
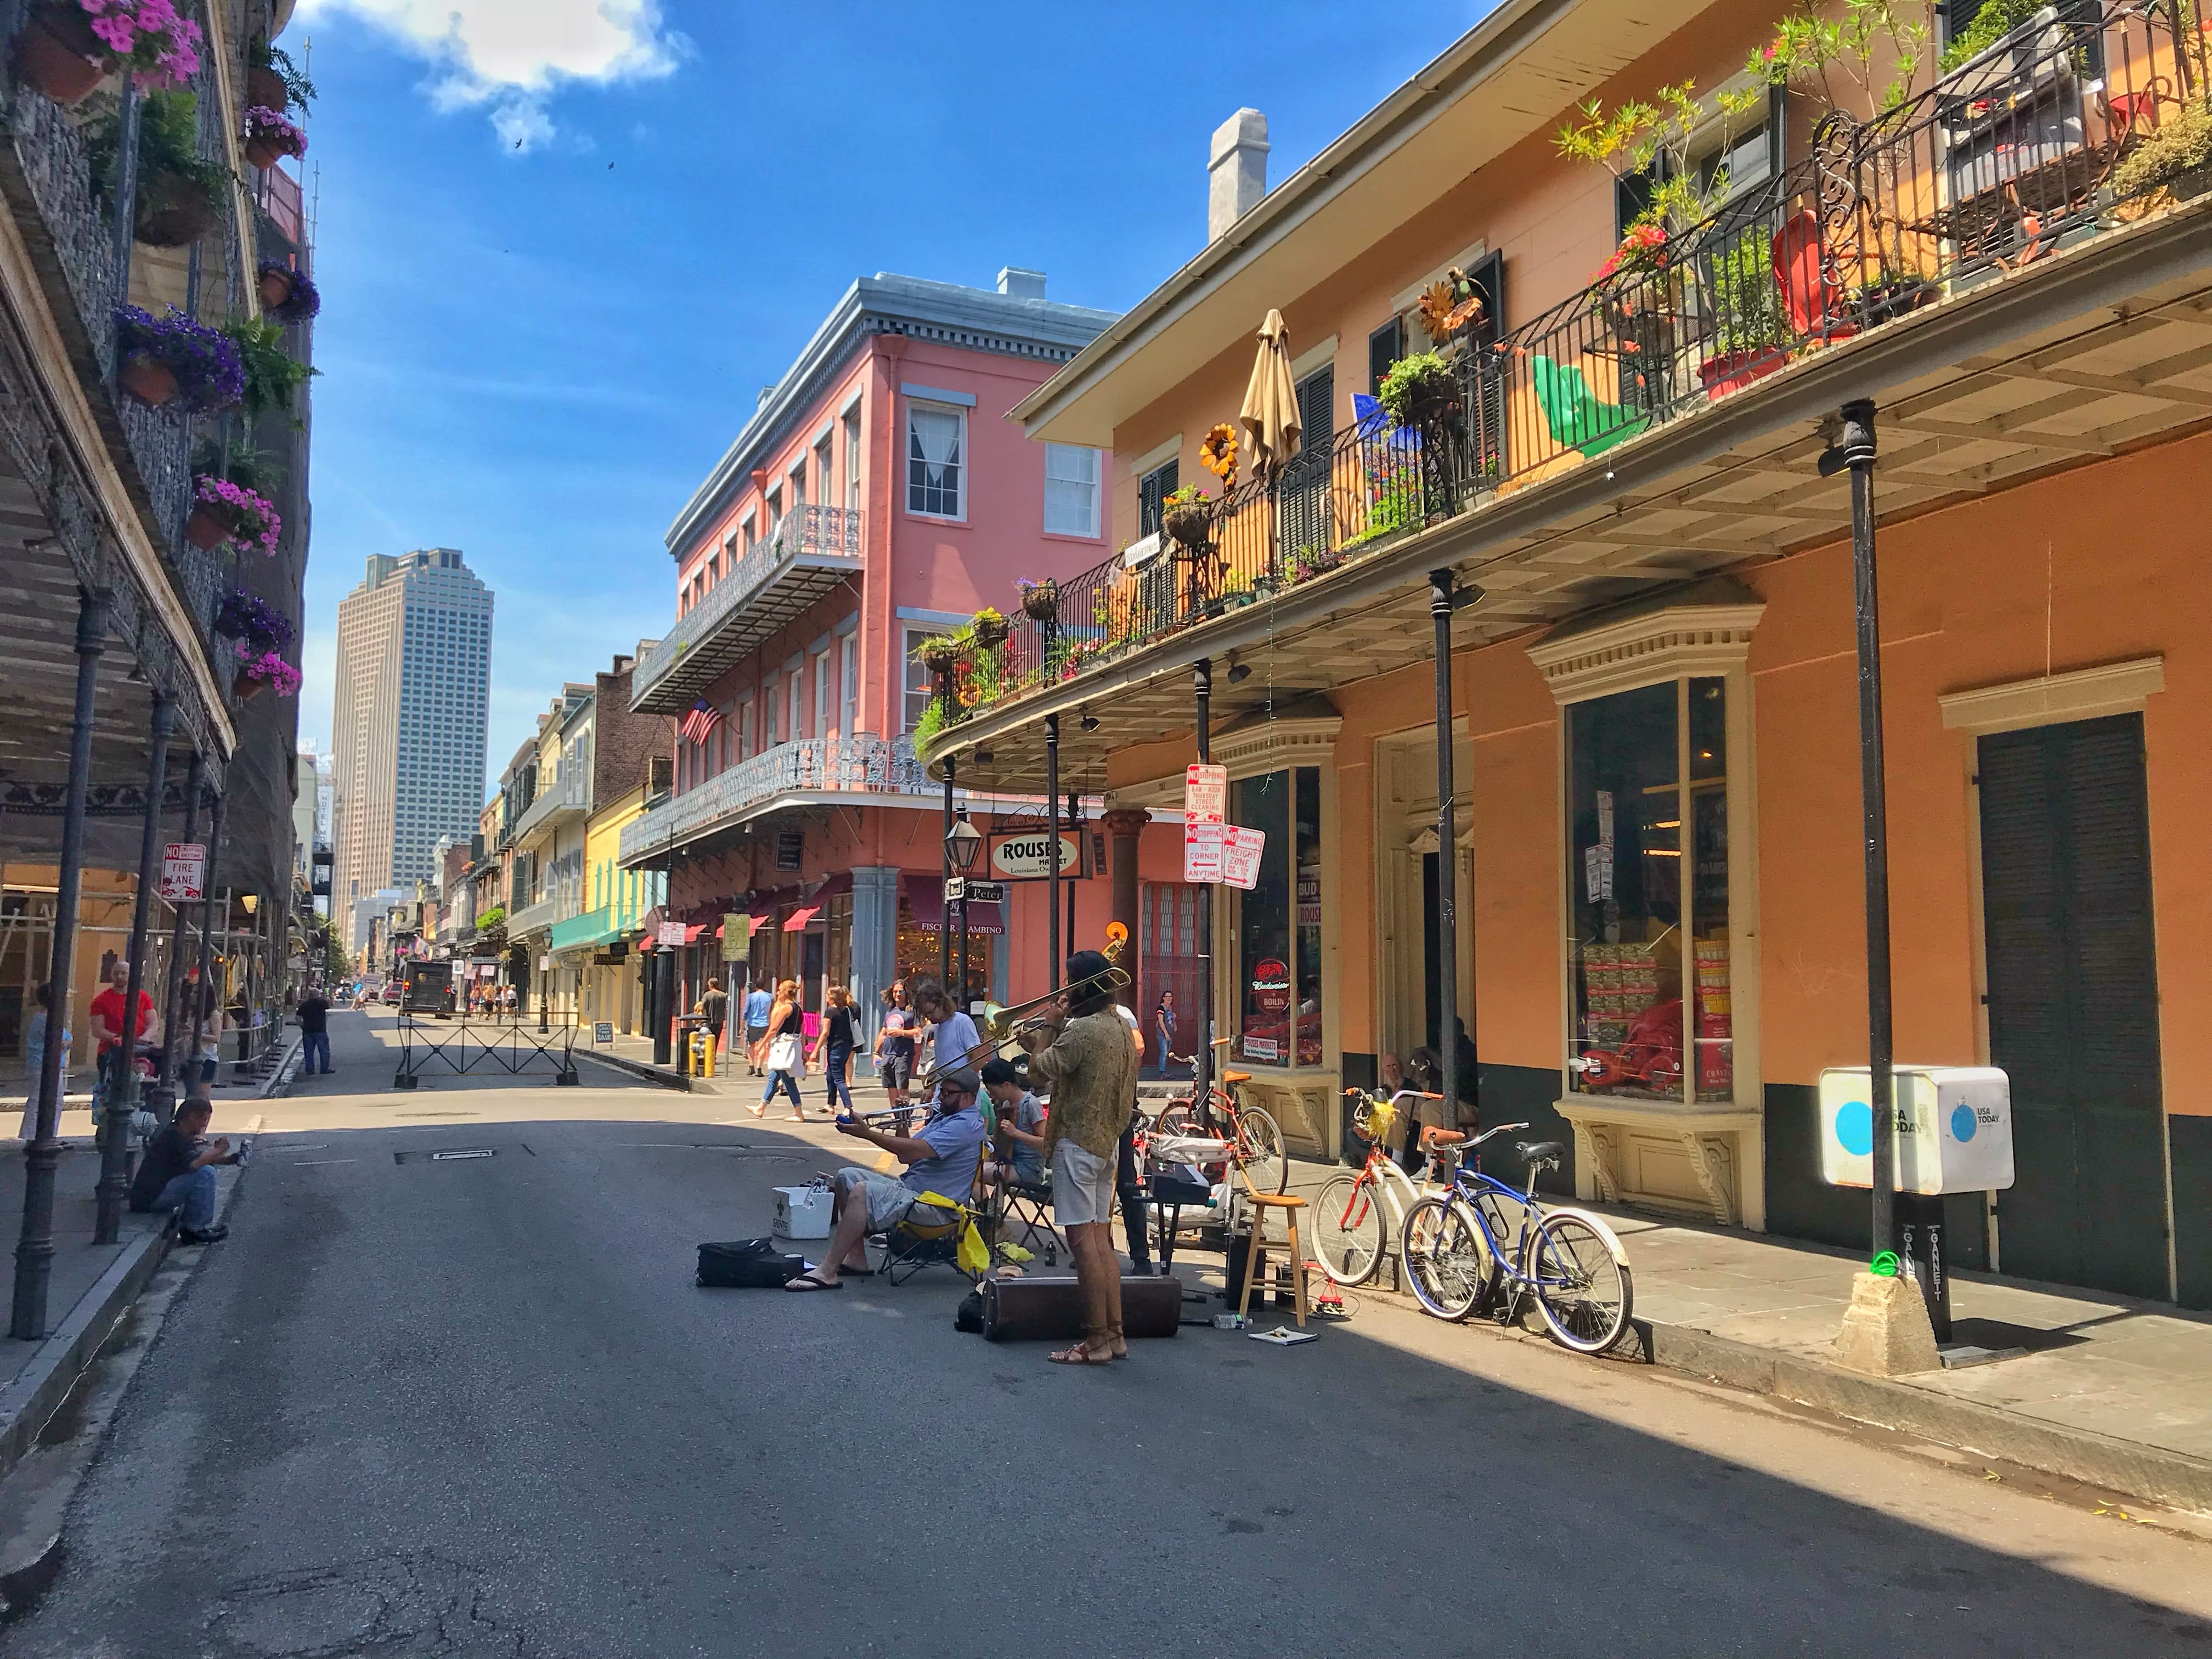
973	1255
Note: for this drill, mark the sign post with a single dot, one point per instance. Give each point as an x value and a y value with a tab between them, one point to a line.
184	872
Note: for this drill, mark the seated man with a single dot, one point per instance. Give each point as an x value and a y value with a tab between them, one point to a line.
1021	1129
940	1157
178	1173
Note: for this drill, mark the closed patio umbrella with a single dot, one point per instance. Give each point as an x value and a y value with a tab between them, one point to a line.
1270	415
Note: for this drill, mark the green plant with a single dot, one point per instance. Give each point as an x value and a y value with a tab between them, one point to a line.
299	90
1386	517
255	469
171	169
1413	384
1994	21
1234	581
488	920
1189	496
1807	50
337	964
1746	301
931	723
2180	144
1653	139
273	375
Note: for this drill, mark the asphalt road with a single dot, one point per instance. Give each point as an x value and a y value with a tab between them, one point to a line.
477	1407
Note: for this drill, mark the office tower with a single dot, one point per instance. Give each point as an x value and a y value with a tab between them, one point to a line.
414	669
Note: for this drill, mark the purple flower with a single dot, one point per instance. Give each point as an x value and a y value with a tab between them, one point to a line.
306	302
209	376
263	122
148	39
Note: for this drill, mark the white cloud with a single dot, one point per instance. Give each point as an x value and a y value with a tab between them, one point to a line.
510	57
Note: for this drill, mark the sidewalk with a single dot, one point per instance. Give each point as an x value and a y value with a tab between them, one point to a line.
2101	1389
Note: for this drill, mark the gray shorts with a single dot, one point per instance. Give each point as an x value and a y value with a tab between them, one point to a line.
889	1198
1082	1186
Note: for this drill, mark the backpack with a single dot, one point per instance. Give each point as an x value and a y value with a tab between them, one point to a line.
748	1264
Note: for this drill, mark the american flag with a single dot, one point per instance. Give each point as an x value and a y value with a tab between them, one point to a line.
699	725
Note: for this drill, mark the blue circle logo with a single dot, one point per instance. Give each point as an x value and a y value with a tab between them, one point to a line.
1964	1122
1854	1127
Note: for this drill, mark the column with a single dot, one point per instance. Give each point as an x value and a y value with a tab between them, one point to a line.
1125	827
875	942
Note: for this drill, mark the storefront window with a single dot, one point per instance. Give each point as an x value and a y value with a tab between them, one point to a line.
1279	920
1633	760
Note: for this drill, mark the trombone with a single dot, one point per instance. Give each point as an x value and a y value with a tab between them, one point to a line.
1002	1025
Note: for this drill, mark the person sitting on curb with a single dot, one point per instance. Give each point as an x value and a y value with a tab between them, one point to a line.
940	1157
178	1173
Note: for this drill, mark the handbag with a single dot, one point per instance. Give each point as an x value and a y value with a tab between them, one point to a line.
748	1264
783	1053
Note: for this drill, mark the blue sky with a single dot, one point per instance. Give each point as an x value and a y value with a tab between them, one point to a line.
562	244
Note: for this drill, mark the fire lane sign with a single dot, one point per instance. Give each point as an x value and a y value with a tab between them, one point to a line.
184	872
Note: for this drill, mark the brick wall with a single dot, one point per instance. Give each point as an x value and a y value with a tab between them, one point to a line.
625	743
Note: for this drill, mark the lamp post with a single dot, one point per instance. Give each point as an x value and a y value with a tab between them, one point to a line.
961	844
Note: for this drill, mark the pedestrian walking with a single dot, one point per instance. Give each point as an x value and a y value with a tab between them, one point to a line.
715	1003
35	1037
314	1011
758	1004
1163	1029
782	1052
837	1038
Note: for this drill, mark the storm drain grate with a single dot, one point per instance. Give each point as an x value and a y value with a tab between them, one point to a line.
457	1154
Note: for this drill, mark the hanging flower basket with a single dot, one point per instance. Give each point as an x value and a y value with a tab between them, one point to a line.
200	373
287	296
939	653
260	671
1040	600
149	40
174	210
1188	517
269	136
225	512
58	57
252	620
989	628
264	87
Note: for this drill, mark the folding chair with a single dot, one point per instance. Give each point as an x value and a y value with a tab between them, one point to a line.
912	1244
1028	1206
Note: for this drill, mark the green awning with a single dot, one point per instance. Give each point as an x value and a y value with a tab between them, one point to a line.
591	929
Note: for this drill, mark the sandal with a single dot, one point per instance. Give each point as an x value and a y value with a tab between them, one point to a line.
807	1281
1081	1353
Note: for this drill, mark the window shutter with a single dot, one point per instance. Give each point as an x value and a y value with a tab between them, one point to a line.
1385	347
1316	417
1152	488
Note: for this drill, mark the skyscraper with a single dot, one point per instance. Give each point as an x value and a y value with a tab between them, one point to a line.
414	669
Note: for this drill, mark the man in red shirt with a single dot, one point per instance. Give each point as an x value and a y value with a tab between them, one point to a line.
107	1023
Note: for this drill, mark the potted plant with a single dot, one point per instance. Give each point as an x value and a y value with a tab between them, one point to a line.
1236	590
179	194
1188	517
67	47
288	297
269	136
225	512
259	670
1891	294
1750	335
272	376
247	617
274	81
1040	600
173	360
939	653
2174	159
1416	388
988	627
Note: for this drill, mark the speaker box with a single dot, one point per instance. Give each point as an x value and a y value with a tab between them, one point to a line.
1049	1307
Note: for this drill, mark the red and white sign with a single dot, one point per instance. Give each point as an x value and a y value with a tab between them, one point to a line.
184	872
1240	856
1271	985
672	935
1205	793
1202	846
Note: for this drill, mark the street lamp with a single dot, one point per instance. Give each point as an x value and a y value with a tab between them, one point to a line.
961	844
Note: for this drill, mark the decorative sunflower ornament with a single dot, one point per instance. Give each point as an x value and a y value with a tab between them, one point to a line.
1448	305
1219	452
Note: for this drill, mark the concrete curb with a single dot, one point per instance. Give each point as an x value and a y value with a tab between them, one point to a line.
2096	1459
666	1076
287	1072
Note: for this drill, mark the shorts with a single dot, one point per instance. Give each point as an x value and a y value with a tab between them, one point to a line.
896	1070
889	1198
1082	1186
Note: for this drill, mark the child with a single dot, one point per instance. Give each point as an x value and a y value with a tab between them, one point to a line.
1021	1128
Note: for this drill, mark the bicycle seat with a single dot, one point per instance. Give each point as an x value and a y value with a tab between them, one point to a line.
1433	1138
1547	1154
1231	1079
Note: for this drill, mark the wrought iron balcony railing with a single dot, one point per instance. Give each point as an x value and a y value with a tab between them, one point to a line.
861	764
811	551
572	794
2013	156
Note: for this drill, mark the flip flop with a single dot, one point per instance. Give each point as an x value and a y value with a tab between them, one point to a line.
806	1282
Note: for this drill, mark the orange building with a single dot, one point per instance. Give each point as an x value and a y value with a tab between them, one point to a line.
1607	395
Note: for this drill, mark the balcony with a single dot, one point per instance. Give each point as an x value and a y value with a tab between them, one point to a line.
812	550
1978	259
565	802
789	774
536	918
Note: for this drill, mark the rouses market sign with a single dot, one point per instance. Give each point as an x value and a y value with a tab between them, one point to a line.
1026	855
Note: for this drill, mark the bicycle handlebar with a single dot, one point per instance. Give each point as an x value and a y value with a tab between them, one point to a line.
1501	1129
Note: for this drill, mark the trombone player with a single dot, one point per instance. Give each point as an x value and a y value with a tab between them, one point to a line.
1085	1056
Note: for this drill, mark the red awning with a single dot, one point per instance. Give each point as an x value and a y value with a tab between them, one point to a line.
796	920
692	931
925	898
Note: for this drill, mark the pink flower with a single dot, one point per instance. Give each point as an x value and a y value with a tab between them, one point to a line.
116	31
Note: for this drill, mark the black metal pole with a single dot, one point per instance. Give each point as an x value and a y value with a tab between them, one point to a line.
163	1101
545	989
1075	825
207	942
123	232
664	999
34	1252
1440	613
1856	450
122	1094
1201	1084
1052	855
945	907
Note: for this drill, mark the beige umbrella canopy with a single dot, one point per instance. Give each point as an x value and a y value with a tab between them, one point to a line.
1270	415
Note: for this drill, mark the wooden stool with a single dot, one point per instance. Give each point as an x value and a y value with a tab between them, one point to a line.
1290	1205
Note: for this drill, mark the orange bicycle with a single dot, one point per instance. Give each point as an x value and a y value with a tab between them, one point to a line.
1253	1139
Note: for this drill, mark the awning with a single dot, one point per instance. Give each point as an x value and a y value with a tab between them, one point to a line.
794	923
925	898
591	929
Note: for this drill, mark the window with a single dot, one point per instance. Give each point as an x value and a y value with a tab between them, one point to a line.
1385	347
774	505
853	459
741	725
1154	488
849	683
825	695
795	686
1647	891
1071	490
748	528
773	734
798	483
934	442
1279	922
920	687
824	458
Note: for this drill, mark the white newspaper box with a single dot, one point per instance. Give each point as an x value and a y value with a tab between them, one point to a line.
1954	1128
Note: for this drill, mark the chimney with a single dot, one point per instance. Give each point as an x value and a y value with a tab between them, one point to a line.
1237	171
1019	284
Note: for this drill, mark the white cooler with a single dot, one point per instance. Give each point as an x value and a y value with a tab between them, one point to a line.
802	1213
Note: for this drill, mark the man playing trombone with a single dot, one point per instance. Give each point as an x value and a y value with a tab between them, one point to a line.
1086	1058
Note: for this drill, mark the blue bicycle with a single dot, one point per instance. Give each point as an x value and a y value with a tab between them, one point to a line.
1460	1247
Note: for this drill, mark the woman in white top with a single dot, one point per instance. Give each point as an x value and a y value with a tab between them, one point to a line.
34	1055
217	1022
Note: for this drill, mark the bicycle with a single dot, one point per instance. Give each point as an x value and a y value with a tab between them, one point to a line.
1350	1231
1456	1259
1254	1138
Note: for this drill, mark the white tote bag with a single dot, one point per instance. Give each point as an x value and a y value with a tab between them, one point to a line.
783	1053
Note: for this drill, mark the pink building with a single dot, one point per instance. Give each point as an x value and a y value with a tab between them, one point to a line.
879	494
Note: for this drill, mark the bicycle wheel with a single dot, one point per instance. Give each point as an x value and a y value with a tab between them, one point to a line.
1446	1261
1582	1284
1260	1149
1348	1229
1176	1118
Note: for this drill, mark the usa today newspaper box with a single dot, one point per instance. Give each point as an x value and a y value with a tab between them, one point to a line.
1953	1134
